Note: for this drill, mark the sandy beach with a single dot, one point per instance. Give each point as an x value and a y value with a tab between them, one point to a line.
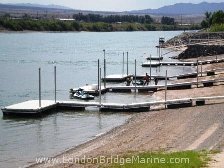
194	128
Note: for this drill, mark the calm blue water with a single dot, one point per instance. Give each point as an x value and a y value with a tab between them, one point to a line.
75	55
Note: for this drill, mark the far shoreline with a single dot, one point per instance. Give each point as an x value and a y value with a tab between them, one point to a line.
33	31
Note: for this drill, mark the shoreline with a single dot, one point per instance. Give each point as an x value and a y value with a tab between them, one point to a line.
93	140
86	149
31	31
126	138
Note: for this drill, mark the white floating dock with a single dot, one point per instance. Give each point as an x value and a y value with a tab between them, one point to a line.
29	107
152	64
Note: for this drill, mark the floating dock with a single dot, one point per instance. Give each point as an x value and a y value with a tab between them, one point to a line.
30	108
179	86
141	77
116	78
114	107
189	75
39	107
156	64
154	58
155	88
211	61
150	88
147	64
172	86
153	64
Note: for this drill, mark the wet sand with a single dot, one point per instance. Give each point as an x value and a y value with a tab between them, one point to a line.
193	128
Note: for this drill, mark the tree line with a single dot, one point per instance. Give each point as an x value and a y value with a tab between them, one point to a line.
91	22
113	18
167	20
121	18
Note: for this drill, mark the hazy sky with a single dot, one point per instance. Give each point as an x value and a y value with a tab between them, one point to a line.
109	5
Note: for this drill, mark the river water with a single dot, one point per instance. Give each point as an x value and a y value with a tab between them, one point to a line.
75	55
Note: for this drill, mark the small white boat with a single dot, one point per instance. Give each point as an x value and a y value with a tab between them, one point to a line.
81	94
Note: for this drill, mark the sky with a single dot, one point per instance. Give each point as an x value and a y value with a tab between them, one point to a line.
109	5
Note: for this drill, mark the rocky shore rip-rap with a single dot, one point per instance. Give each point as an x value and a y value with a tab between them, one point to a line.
197	44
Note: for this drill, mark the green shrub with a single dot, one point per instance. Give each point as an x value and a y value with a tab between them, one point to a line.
217	28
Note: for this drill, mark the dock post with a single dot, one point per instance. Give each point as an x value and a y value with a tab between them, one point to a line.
208	38
127	63
123	66
104	62
98	75
197	73
39	87
159	63
159	50
159	58
150	68
166	89
201	69
100	87
55	84
135	76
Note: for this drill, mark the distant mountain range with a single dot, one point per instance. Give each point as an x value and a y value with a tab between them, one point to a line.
183	8
29	5
42	6
176	9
